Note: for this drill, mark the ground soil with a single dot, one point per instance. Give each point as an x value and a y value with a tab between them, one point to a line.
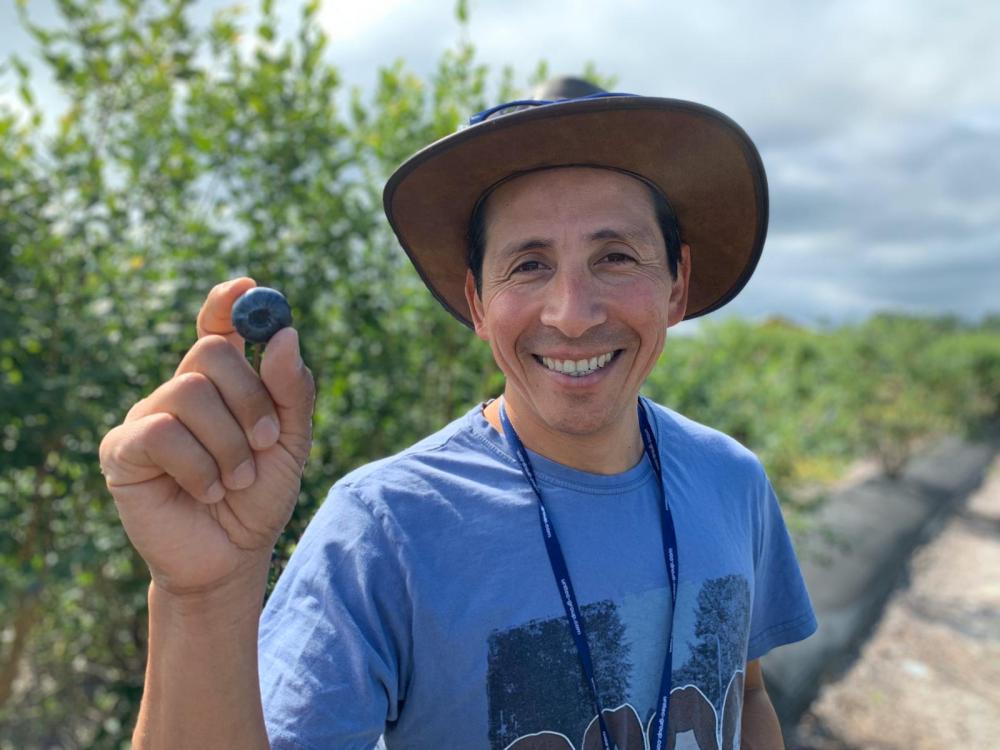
929	676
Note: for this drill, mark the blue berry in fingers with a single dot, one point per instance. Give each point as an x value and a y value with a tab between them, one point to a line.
261	313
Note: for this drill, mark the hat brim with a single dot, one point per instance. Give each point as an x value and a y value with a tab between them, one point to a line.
702	161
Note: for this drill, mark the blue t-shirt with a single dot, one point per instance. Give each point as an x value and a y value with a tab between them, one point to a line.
419	608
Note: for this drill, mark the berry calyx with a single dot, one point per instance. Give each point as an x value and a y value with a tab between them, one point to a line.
260	313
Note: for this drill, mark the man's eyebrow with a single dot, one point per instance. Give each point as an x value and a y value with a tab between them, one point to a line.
520	246
635	234
625	234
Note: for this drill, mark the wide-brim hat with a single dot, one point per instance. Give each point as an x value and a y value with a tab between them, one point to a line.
703	162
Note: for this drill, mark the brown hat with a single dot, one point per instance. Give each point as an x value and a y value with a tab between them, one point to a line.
703	162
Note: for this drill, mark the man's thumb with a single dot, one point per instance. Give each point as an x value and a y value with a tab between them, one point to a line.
290	384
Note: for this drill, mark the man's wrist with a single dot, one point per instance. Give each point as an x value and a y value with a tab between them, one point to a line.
201	688
226	604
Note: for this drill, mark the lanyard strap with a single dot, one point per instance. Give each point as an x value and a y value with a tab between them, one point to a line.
658	738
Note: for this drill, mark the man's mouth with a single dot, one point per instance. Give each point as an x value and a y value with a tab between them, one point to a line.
578	368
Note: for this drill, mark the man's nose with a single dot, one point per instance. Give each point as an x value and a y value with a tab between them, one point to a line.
573	304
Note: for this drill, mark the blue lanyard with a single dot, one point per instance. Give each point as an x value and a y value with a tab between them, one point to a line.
574	617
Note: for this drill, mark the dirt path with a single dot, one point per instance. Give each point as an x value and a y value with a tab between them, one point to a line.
930	675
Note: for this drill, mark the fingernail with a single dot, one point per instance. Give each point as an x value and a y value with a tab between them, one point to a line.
244	475
265	433
215	493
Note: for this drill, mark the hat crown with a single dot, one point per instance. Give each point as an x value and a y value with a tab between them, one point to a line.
565	87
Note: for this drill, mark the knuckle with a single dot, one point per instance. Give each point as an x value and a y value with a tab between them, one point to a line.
106	450
193	384
215	342
211	345
137	407
112	454
200	353
113	460
161	426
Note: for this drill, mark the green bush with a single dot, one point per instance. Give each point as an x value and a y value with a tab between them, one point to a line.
183	159
807	402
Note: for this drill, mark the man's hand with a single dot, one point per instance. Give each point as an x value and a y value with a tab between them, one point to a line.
206	470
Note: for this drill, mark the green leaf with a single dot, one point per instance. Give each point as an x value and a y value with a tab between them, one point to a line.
24	91
20	66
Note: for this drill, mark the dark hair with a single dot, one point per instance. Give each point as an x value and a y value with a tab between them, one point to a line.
665	218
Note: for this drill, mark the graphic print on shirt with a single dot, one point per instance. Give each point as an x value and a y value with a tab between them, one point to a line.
538	699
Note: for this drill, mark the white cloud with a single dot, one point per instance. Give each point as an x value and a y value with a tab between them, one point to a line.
878	122
347	21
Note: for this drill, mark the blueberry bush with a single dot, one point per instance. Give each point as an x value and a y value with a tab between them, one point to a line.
187	155
190	153
809	401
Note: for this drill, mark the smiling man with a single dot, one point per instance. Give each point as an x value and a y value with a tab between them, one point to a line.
567	566
575	301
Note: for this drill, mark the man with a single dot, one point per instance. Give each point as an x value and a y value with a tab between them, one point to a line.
568	566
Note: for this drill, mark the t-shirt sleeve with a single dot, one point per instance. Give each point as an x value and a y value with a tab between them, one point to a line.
781	611
335	632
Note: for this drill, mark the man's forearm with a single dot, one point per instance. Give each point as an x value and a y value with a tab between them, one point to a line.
761	729
202	690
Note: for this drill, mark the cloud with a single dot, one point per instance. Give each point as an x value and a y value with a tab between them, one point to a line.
908	216
878	122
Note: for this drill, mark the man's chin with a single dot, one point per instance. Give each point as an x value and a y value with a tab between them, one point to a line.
580	418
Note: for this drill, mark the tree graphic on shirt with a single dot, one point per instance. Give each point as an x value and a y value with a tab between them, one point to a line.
722	620
519	700
706	700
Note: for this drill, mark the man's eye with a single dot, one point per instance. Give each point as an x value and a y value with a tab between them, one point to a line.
618	258
527	267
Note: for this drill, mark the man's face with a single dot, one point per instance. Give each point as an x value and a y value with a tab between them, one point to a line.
575	278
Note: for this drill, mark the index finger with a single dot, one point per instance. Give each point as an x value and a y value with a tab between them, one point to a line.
215	316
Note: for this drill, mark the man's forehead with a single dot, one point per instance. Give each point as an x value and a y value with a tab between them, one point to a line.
601	202
548	191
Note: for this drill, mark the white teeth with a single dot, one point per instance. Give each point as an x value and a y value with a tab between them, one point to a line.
577	367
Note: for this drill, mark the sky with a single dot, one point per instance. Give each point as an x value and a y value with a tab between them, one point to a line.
878	121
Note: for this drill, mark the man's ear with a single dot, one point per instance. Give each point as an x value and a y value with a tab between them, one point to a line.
677	307
476	309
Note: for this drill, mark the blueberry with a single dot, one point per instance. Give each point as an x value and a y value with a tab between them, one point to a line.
261	313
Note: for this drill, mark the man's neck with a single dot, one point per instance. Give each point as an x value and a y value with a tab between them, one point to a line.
596	454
